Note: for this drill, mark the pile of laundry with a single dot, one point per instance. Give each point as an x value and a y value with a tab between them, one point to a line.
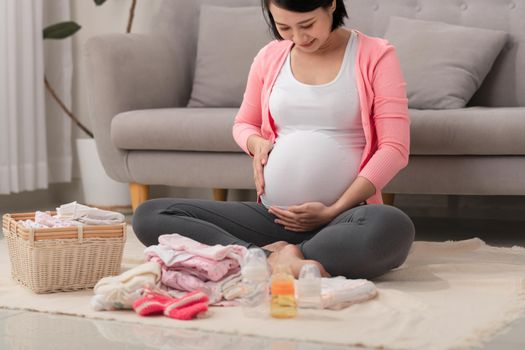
139	289
188	265
180	279
74	214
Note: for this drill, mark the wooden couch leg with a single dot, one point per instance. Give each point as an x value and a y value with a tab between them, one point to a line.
388	198
220	194
139	193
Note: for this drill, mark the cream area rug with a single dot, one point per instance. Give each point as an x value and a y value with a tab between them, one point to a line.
447	295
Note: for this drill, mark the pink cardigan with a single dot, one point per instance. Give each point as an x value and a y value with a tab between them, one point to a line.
384	106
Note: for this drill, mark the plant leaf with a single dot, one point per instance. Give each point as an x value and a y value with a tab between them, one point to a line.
99	2
61	30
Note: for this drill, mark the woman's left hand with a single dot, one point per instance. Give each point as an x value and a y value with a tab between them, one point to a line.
304	217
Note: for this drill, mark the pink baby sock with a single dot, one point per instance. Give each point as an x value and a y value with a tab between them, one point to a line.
152	303
187	306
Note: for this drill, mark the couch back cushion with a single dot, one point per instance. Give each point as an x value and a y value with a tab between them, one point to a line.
178	22
229	39
443	64
505	83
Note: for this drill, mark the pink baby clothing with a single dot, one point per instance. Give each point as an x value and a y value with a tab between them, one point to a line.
207	268
188	306
201	267
46	220
228	288
188	265
217	252
185	307
181	280
74	214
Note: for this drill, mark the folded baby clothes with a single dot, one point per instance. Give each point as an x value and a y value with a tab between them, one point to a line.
201	267
227	288
188	265
231	287
46	220
89	215
339	292
222	293
181	280
216	252
74	214
119	292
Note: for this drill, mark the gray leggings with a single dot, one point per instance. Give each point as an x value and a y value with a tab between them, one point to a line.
363	242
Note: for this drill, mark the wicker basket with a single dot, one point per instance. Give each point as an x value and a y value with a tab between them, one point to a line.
51	260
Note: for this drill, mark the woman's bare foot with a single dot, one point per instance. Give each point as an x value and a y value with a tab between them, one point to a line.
275	246
291	256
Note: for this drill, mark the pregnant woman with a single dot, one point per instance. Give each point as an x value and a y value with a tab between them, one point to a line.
324	118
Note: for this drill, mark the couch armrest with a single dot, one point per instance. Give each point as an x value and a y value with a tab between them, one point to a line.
127	72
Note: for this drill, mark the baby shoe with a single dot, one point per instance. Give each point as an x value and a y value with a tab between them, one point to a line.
152	302
187	306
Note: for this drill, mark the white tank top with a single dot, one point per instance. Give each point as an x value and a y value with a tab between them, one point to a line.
317	153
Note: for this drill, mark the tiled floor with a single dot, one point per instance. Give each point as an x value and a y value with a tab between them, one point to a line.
28	330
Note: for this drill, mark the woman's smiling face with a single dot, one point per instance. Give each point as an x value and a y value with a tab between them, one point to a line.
308	30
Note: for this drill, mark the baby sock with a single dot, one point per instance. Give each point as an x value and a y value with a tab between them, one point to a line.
187	306
152	303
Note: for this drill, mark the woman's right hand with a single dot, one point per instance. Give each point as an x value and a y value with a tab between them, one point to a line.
260	149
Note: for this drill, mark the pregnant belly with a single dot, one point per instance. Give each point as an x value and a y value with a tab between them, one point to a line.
308	166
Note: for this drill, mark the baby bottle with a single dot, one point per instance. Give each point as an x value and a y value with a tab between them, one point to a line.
255	284
283	303
309	287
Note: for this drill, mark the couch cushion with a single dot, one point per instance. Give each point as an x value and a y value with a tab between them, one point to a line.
468	131
443	64
170	129
229	39
465	131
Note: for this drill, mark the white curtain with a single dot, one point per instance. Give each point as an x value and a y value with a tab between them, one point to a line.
58	60
35	147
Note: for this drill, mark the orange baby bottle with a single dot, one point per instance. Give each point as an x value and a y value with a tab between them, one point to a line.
283	304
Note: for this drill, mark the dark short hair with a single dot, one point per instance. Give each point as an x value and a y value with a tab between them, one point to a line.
303	6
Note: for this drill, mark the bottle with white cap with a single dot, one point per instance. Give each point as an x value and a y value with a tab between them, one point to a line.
255	284
309	287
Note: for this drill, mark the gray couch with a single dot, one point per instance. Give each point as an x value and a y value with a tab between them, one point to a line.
140	84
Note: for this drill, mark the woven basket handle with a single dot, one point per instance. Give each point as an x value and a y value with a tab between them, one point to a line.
80	234
31	235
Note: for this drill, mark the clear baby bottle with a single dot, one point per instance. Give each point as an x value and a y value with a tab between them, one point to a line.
309	287
255	283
